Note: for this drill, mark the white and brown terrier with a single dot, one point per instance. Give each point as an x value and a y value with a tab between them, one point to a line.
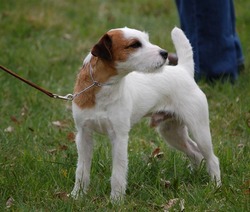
124	79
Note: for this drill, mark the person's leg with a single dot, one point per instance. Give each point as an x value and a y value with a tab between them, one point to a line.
188	19
217	50
240	57
210	27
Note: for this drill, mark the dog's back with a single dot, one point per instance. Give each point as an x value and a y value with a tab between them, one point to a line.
158	91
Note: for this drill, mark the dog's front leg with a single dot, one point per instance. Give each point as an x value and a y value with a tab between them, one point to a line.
120	166
84	148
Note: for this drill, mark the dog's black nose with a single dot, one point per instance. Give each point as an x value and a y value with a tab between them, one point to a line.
164	54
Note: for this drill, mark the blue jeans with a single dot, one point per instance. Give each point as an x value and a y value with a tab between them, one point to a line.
210	27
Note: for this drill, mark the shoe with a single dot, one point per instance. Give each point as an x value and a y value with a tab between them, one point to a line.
241	68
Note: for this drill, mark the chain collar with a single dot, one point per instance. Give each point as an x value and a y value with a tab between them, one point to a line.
71	97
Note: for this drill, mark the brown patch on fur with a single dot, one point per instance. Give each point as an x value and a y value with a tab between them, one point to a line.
102	71
120	45
110	48
157	118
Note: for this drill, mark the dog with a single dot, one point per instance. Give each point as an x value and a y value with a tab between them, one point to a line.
125	78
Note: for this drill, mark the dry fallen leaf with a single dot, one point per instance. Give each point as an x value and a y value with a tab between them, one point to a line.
157	153
52	151
57	123
15	120
9	129
182	207
64	172
63	147
170	204
71	137
240	145
247	191
67	36
60	124
24	110
10	202
246	187
61	195
166	183
248	122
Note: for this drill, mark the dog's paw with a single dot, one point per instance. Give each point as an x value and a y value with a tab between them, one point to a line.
76	193
218	183
116	198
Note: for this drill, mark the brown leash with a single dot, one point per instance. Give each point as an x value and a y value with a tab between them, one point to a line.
56	96
69	97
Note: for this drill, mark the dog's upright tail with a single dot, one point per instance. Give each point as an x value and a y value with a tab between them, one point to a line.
183	49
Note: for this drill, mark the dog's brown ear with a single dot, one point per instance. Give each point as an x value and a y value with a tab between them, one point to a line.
103	48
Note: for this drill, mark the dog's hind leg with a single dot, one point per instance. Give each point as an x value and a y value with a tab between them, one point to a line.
195	116
202	136
176	135
84	148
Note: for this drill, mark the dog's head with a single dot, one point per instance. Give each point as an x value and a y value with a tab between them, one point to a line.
129	50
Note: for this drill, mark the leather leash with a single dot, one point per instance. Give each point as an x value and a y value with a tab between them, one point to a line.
69	97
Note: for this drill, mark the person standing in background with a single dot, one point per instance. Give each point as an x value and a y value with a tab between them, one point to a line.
210	27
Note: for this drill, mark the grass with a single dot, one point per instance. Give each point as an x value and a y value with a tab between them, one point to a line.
45	41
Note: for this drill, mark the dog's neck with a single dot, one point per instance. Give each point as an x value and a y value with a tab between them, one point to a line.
101	73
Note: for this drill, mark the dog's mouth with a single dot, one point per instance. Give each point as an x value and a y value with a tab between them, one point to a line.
155	67
159	65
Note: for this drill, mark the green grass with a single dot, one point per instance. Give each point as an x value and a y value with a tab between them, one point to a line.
45	42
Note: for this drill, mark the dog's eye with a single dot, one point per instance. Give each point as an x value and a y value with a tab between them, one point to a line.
136	45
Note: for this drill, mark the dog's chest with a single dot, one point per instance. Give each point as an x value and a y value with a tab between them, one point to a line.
93	120
99	124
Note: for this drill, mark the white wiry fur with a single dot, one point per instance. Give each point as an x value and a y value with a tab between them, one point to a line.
118	107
